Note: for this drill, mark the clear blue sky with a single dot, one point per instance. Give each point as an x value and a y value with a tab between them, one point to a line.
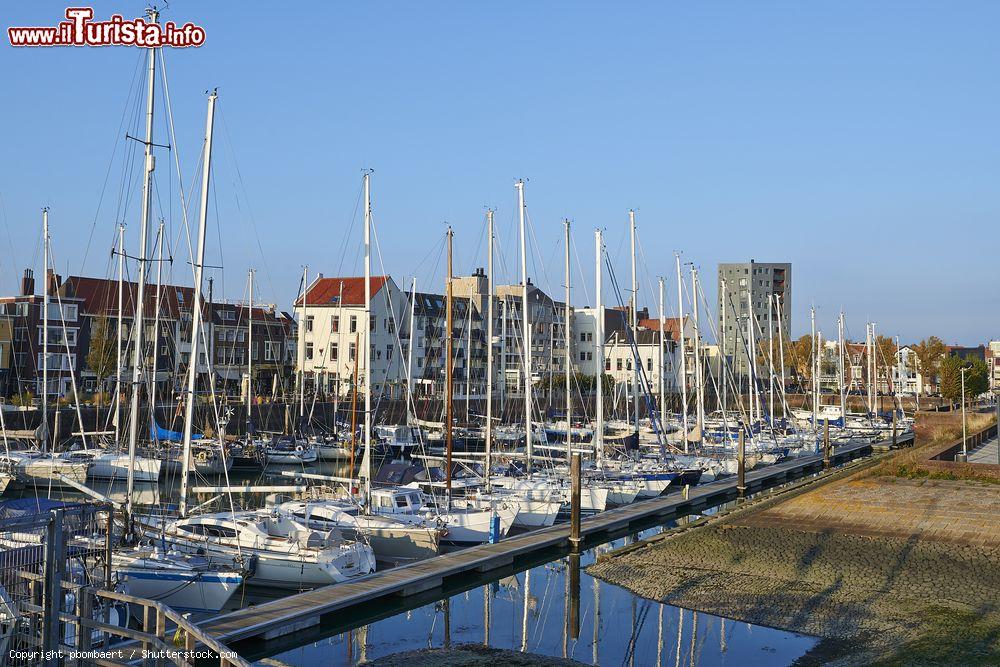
859	141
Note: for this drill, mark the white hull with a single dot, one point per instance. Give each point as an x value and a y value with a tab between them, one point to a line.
333	452
49	471
185	591
472	526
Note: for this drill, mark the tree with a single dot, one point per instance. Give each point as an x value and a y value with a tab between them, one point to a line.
102	355
976	377
930	352
885	359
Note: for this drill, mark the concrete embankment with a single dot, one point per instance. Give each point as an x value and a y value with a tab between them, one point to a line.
886	570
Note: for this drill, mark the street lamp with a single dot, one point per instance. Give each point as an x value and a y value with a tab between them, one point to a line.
965	450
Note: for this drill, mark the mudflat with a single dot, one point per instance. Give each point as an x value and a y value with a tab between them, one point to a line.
885	570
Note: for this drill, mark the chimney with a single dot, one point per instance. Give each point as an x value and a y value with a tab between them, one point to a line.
52	281
28	283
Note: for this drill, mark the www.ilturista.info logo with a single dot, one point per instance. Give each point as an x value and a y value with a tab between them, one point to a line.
80	30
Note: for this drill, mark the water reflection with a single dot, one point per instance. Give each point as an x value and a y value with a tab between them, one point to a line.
558	609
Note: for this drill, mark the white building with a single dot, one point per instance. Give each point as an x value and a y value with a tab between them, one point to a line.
333	331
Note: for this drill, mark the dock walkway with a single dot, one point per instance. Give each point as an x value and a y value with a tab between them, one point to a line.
296	612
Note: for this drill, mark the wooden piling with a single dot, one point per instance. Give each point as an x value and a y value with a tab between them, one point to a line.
574	533
741	465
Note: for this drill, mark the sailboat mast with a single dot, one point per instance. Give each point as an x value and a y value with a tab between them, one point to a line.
368	343
662	384
566	352
526	327
680	330
249	353
196	316
751	358
698	377
302	344
724	380
156	318
409	348
139	307
45	331
448	373
841	370
118	356
635	322
489	349
770	360
599	335
815	397
781	345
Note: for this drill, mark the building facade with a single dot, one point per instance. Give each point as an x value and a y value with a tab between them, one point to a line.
751	288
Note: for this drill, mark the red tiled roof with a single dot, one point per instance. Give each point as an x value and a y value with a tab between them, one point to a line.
100	297
324	291
671	324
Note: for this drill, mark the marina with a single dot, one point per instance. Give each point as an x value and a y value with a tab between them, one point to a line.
293	394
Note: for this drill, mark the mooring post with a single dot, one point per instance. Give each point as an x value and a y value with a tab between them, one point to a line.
826	443
574	595
741	466
574	517
53	568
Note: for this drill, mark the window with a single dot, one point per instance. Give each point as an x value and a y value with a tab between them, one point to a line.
590	356
241	336
583	337
352	350
309	351
56	337
628	364
607	364
253	352
334	352
649	364
309	323
335	323
354	324
69	312
227	315
619	364
371	323
392	326
272	350
590	336
583	356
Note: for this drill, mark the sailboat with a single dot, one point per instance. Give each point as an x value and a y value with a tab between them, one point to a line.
40	465
282	552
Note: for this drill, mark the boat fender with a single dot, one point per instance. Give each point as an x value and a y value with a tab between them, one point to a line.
299	448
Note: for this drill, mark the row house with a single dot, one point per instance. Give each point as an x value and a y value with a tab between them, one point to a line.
266	350
429	313
332	330
23	320
546	320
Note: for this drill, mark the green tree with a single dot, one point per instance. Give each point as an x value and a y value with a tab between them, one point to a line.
101	356
930	352
885	359
976	377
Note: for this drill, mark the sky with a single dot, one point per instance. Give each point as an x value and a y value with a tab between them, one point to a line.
859	141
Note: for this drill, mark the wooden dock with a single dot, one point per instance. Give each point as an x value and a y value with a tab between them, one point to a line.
296	612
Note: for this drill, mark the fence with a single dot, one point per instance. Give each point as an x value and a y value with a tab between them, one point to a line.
57	601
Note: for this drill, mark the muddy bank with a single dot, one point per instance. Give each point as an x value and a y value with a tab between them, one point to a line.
469	655
874	599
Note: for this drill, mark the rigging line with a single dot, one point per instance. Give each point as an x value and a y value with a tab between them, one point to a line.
177	160
246	199
579	266
111	160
